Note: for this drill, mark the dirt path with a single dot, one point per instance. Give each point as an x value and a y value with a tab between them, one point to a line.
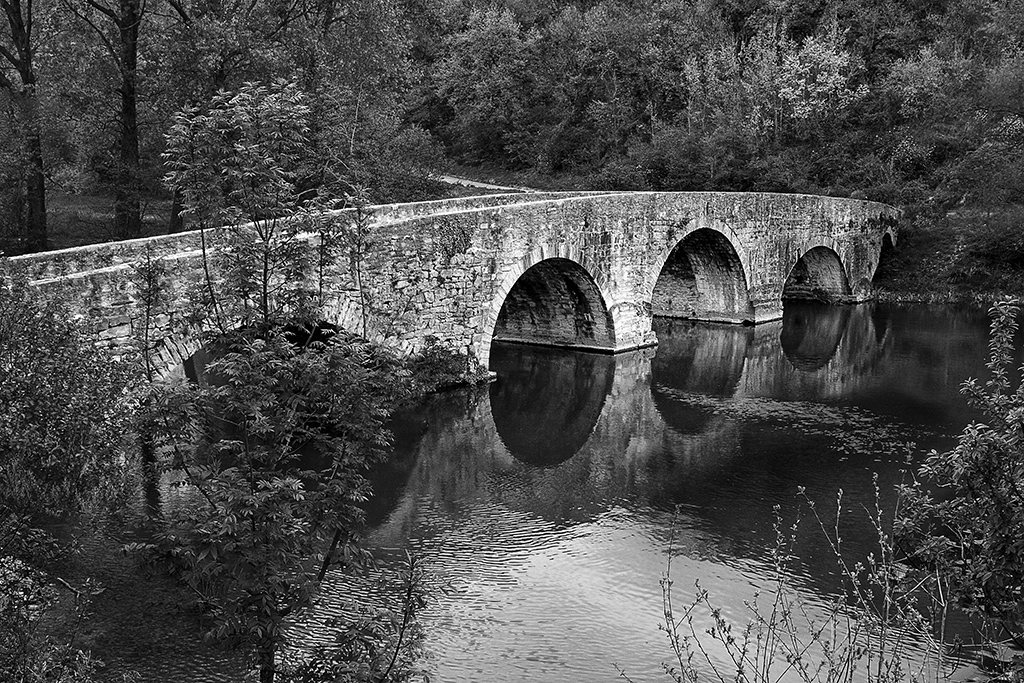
466	182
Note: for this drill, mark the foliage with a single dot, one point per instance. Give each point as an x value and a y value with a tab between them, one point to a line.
40	614
27	596
276	441
437	366
484	82
67	406
964	517
241	164
972	255
714	95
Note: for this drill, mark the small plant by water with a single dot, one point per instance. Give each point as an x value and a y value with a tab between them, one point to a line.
955	541
871	630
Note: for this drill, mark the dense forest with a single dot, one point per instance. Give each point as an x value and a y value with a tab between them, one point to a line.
912	102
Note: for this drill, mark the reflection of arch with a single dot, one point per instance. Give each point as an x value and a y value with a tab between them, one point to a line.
811	333
703	278
699	359
818	275
555	302
545	402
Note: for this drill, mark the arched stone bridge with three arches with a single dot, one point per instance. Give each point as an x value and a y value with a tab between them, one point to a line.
586	270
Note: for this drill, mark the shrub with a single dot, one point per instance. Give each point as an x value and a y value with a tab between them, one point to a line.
964	517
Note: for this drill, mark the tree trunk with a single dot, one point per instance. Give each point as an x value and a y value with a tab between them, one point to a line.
175	224
32	227
35	180
127	204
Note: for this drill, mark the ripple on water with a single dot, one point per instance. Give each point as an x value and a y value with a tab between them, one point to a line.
854	430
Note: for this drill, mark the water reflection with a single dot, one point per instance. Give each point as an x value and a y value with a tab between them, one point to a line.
696	358
545	403
811	334
547	498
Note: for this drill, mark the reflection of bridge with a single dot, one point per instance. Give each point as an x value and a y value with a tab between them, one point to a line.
579	428
579	270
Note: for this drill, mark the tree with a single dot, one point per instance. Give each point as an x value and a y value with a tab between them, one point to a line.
17	50
241	165
483	80
817	79
276	441
121	40
276	437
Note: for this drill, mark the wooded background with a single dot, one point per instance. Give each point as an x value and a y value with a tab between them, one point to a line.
912	102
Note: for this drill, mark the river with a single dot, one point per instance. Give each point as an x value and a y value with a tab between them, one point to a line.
545	504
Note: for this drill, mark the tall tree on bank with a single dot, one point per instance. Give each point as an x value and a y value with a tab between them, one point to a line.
277	435
121	37
18	79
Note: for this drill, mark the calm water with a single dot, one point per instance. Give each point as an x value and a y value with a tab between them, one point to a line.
544	502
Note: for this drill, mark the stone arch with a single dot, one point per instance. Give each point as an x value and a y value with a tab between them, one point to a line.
172	355
703	277
818	275
553	301
884	251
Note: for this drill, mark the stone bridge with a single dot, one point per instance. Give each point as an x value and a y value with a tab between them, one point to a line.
586	270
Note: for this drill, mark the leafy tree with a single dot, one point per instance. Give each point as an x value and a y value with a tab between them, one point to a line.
965	515
276	436
240	165
816	80
276	442
482	78
19	81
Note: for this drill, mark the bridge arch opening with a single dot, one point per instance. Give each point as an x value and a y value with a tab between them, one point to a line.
818	275
556	302
703	279
884	269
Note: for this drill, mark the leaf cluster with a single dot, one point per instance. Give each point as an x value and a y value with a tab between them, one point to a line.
67	407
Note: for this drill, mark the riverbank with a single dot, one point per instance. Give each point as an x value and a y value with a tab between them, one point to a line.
968	255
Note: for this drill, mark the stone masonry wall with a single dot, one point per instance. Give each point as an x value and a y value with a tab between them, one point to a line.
445	268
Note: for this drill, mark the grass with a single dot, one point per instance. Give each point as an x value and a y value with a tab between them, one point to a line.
77	219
